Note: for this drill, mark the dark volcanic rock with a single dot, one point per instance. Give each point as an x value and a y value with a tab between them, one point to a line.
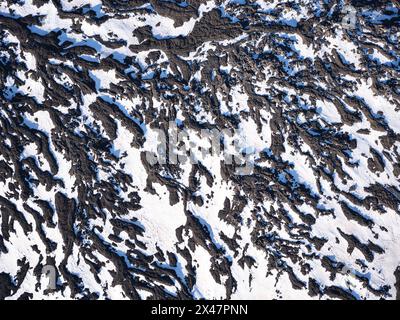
199	149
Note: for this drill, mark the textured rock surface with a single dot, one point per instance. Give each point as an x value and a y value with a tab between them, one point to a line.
85	84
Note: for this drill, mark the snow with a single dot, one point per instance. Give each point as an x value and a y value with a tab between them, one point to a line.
103	78
378	103
295	167
328	111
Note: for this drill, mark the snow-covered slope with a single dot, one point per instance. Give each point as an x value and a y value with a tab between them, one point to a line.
309	88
